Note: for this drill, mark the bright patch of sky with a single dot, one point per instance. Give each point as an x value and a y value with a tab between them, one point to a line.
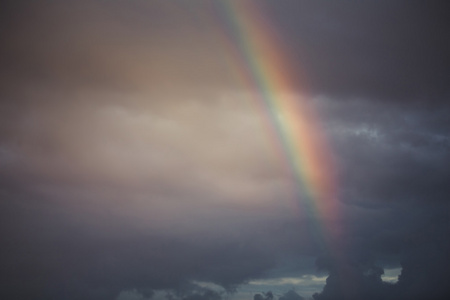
391	275
304	285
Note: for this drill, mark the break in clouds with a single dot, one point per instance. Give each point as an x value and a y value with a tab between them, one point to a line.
135	164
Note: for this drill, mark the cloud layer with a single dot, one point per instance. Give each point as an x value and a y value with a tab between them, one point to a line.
134	163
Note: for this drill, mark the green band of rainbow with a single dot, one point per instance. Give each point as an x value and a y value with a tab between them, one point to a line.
264	68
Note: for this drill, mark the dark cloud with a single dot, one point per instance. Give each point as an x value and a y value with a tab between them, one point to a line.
264	296
132	162
424	269
53	257
194	292
291	295
384	50
121	46
347	281
388	151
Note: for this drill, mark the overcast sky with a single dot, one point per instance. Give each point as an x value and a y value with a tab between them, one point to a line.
137	163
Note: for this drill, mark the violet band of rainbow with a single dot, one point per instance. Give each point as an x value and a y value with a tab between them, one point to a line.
265	70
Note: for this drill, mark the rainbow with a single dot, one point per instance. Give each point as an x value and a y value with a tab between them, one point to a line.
263	66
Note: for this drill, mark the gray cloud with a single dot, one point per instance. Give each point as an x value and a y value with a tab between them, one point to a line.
133	160
389	152
384	50
291	295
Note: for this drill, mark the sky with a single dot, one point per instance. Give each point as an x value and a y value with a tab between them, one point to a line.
224	150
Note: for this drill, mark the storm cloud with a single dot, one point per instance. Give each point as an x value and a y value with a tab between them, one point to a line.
134	164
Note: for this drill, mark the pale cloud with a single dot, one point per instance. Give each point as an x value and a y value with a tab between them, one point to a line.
156	159
391	275
297	281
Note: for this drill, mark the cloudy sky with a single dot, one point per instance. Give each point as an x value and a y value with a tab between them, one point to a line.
224	150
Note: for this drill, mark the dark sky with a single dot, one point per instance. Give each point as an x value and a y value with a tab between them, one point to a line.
134	163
